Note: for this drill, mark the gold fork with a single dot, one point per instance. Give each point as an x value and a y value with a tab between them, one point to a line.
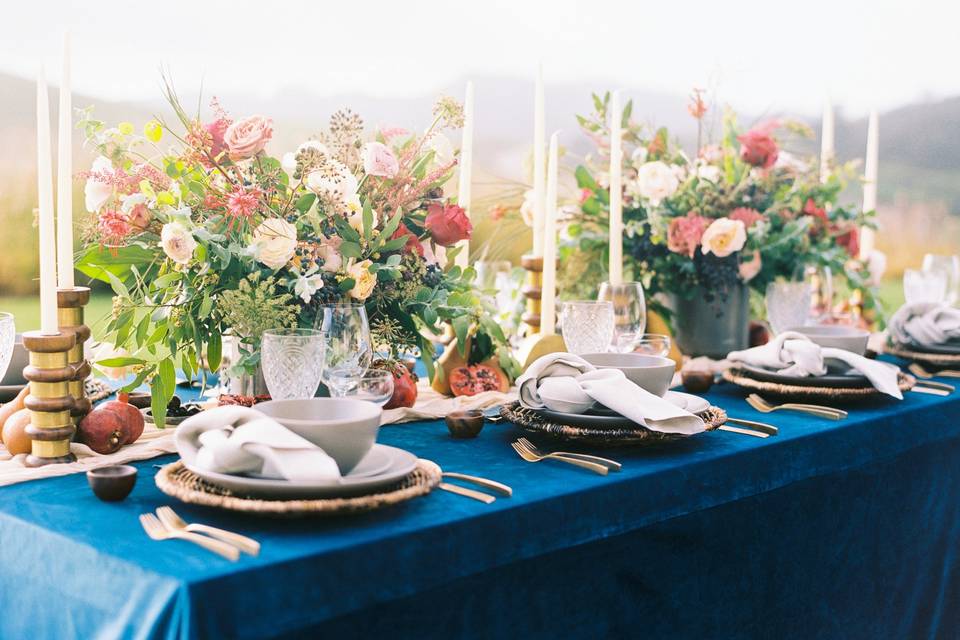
920	372
157	531
174	522
613	465
763	406
529	456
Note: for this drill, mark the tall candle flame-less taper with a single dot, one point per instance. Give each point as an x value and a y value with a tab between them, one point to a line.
49	402
70	304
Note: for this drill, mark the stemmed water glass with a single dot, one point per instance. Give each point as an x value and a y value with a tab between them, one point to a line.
587	326
374	386
924	286
292	362
788	304
8	333
629	310
950	267
349	350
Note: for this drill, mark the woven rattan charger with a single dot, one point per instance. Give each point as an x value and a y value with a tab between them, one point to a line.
742	378
616	437
178	482
936	359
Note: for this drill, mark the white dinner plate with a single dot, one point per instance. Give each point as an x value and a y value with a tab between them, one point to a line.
598	420
384	465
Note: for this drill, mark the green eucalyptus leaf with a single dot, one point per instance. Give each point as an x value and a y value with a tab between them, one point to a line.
120	361
214	351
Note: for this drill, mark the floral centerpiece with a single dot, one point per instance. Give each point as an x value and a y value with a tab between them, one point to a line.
739	214
201	232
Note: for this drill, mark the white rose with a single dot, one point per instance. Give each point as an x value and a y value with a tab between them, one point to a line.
177	242
708	172
656	181
96	192
335	181
723	237
274	242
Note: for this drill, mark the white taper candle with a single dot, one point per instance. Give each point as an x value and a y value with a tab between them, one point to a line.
539	164
870	171
48	269
616	190
826	141
466	170
548	296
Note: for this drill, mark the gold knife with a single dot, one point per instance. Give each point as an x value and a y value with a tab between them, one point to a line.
483	482
762	427
485	498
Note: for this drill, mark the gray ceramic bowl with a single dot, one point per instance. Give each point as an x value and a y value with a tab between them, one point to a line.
346	429
652	373
837	336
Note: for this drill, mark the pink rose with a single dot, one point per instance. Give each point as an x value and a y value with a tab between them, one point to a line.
217	129
378	160
758	146
448	224
329	252
683	234
246	138
746	215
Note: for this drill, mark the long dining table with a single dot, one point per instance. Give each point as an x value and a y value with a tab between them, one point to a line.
831	529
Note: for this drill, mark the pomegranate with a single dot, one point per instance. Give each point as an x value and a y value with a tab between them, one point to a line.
477	378
404	383
102	430
130	416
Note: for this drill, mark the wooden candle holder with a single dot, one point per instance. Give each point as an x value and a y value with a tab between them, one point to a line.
70	304
49	402
532	291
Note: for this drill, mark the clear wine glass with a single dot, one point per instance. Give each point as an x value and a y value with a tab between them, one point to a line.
950	266
924	286
8	333
374	386
292	362
650	344
629	309
788	304
349	349
587	326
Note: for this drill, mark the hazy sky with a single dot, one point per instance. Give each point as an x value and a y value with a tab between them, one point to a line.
758	54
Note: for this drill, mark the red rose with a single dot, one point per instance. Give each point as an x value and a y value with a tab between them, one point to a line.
413	243
811	209
448	224
850	240
758	146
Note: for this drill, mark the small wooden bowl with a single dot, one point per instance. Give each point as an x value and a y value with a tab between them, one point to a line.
139	399
467	423
697	381
113	483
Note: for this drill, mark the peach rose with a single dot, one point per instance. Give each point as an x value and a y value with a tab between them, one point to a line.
379	160
723	237
246	138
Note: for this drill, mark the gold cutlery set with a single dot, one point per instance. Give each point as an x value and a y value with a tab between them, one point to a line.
167	525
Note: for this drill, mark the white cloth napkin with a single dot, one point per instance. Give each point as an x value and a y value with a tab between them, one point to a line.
609	387
925	324
237	440
794	354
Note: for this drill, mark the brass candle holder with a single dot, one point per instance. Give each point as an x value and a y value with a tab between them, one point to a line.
535	344
532	291
50	402
70	304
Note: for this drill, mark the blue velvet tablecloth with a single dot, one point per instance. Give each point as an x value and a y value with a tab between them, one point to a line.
830	530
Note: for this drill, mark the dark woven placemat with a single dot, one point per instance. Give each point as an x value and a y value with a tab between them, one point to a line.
535	422
911	353
177	481
742	378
